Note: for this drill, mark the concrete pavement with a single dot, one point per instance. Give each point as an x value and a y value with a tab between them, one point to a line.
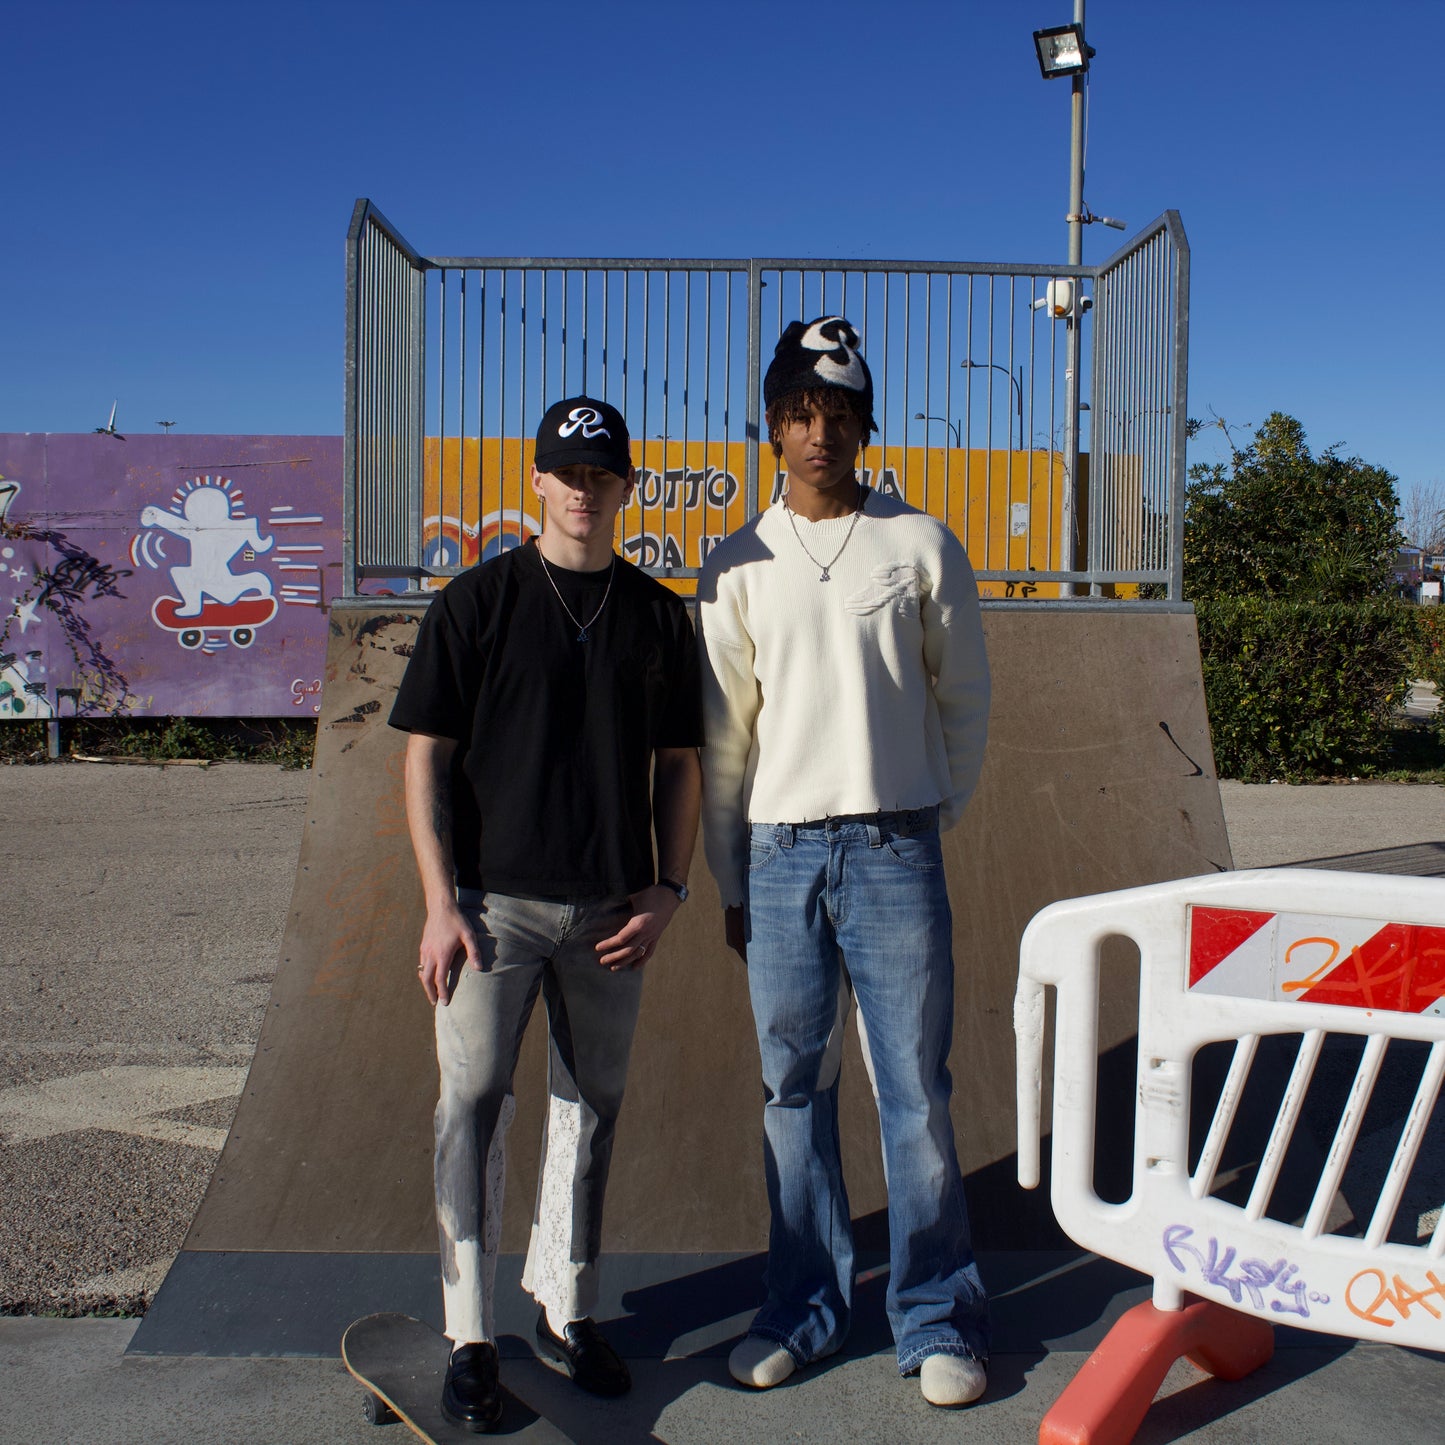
143	909
70	1380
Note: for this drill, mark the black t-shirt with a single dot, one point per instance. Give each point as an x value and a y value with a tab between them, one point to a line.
551	783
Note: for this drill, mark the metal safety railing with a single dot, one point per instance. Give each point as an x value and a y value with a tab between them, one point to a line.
383	445
451	361
1140	377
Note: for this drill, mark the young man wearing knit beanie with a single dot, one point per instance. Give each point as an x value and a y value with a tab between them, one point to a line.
846	704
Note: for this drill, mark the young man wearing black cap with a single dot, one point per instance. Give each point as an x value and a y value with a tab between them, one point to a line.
552	702
846	701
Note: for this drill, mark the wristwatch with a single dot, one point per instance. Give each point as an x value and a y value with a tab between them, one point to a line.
679	888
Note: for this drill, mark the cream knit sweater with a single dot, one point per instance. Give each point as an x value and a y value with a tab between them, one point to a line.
866	693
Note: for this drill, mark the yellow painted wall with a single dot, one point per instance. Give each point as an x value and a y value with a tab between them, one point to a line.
1006	506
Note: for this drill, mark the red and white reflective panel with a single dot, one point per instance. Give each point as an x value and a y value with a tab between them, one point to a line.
1313	958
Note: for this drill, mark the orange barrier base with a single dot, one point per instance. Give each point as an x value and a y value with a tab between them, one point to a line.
1106	1401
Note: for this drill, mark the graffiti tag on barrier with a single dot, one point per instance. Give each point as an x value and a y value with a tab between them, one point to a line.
1351	962
1369	1292
1251	1277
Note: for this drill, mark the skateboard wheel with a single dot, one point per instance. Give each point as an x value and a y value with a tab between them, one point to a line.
377	1411
243	636
191	638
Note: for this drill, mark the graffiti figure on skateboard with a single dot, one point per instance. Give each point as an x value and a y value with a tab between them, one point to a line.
209	595
402	1363
215	536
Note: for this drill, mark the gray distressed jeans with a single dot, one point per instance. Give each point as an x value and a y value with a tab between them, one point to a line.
529	945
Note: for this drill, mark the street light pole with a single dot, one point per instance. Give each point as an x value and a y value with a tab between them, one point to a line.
1015	382
1076	155
1063	50
1073	349
952	426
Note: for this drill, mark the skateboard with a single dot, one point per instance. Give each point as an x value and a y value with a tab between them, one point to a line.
237	619
402	1363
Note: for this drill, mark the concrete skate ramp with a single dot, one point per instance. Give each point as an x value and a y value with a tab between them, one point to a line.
1099	775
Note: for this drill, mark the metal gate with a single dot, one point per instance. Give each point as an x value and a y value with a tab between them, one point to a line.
450	362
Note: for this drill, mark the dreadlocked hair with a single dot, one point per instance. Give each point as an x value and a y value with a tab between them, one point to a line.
800	406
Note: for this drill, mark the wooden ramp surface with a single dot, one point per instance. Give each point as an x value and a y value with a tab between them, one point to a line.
1099	776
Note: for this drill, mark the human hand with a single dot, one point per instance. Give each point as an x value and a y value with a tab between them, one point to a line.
636	941
447	940
735	932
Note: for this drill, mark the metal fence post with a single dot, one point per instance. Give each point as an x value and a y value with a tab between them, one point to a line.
1179	435
752	419
349	481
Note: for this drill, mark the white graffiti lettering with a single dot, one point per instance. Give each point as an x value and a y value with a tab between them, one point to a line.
301	690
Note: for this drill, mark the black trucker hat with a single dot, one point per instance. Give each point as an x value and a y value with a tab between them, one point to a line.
582	431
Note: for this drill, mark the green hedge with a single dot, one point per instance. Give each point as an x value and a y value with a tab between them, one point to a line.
1301	690
1430	661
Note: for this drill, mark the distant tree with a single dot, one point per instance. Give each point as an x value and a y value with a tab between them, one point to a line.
1276	521
1422	516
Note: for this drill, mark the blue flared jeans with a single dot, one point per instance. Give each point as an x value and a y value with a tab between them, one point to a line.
860	902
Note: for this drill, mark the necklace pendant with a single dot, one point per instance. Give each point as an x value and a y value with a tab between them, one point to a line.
582	636
823	576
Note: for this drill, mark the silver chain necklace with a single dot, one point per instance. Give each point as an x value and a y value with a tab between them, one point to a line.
824	575
582	626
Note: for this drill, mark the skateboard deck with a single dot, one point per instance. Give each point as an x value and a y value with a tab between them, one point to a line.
247	611
237	620
402	1363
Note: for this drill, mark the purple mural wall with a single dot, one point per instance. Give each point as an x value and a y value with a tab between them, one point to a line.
155	575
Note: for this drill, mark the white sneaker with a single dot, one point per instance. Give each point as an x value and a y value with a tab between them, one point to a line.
760	1363
952	1379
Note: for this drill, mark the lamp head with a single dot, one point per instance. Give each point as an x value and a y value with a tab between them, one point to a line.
1062	50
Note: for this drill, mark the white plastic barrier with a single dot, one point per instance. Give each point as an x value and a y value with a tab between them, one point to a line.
1237	956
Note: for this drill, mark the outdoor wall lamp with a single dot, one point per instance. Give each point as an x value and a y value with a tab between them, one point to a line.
1062	50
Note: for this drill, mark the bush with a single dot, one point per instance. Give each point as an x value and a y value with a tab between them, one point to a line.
1300	690
288	742
1430	657
1279	521
1430	660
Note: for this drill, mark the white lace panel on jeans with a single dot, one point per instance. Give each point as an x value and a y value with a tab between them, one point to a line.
552	1274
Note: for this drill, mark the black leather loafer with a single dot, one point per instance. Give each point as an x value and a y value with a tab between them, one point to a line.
593	1364
472	1395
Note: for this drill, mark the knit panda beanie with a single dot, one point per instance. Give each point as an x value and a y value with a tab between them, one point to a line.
819	353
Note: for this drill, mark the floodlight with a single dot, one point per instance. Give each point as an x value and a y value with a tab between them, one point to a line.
1062	50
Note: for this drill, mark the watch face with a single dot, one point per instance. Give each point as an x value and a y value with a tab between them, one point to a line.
679	888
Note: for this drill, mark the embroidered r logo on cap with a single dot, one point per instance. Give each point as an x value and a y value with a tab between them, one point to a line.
588	419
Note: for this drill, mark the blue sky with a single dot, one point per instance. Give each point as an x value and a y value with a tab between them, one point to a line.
178	178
